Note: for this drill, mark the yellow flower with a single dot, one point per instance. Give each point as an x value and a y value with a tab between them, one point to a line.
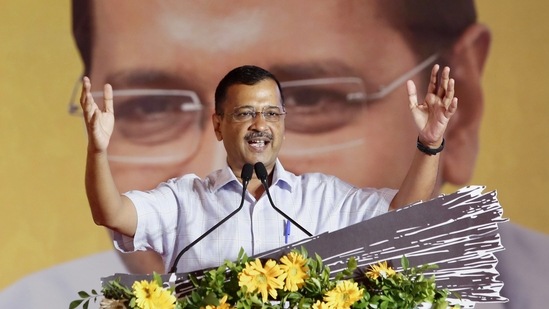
320	305
380	270
295	269
222	304
263	279
150	296
344	295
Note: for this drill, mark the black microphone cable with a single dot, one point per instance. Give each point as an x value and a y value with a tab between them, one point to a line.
246	175
262	174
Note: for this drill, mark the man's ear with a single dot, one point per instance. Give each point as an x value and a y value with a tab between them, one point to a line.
216	121
466	60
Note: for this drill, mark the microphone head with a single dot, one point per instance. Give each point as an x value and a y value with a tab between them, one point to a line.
247	171
261	171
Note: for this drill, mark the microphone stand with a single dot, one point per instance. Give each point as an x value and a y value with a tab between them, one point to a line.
261	173
246	175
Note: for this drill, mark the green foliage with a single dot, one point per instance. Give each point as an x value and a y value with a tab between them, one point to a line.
84	299
406	289
386	290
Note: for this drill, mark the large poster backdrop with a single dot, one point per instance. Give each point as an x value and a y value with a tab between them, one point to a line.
45	217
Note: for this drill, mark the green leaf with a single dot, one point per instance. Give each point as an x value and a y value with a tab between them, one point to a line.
75	303
211	299
83	294
158	279
384	304
405	263
440	305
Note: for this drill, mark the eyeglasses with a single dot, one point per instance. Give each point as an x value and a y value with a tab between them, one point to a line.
324	113
158	126
153	126
247	113
326	104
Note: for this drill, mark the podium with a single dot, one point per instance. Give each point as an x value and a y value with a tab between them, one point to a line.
458	232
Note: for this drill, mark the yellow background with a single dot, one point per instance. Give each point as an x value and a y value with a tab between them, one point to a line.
44	215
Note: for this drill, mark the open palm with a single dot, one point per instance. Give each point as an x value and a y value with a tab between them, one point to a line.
433	114
99	123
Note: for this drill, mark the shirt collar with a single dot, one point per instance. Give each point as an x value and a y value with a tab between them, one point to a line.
283	178
221	178
225	176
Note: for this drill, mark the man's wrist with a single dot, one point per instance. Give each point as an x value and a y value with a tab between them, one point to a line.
427	150
95	152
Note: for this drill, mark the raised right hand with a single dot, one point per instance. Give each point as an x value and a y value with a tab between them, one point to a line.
99	123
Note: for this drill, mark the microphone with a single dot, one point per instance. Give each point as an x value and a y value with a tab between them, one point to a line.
261	173
246	175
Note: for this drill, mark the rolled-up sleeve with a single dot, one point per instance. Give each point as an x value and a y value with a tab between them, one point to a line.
157	217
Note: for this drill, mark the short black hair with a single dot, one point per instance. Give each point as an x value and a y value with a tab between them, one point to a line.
243	75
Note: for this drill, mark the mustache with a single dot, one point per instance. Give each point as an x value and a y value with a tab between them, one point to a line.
256	135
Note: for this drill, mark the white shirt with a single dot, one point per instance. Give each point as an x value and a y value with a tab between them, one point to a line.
180	210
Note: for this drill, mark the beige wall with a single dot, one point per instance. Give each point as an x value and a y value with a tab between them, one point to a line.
44	215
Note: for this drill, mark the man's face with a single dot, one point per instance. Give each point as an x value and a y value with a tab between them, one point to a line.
192	45
251	140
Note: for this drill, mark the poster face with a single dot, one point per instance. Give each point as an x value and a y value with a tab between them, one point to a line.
342	68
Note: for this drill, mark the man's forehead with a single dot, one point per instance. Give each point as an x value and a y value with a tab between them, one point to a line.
258	95
188	66
222	23
198	10
263	89
256	107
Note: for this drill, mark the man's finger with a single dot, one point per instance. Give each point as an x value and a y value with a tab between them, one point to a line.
86	99
412	94
86	84
444	80
453	107
450	92
108	98
432	88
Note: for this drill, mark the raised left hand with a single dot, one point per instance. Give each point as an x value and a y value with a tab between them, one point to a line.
433	114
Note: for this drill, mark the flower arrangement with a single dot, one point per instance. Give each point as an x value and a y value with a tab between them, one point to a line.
294	281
